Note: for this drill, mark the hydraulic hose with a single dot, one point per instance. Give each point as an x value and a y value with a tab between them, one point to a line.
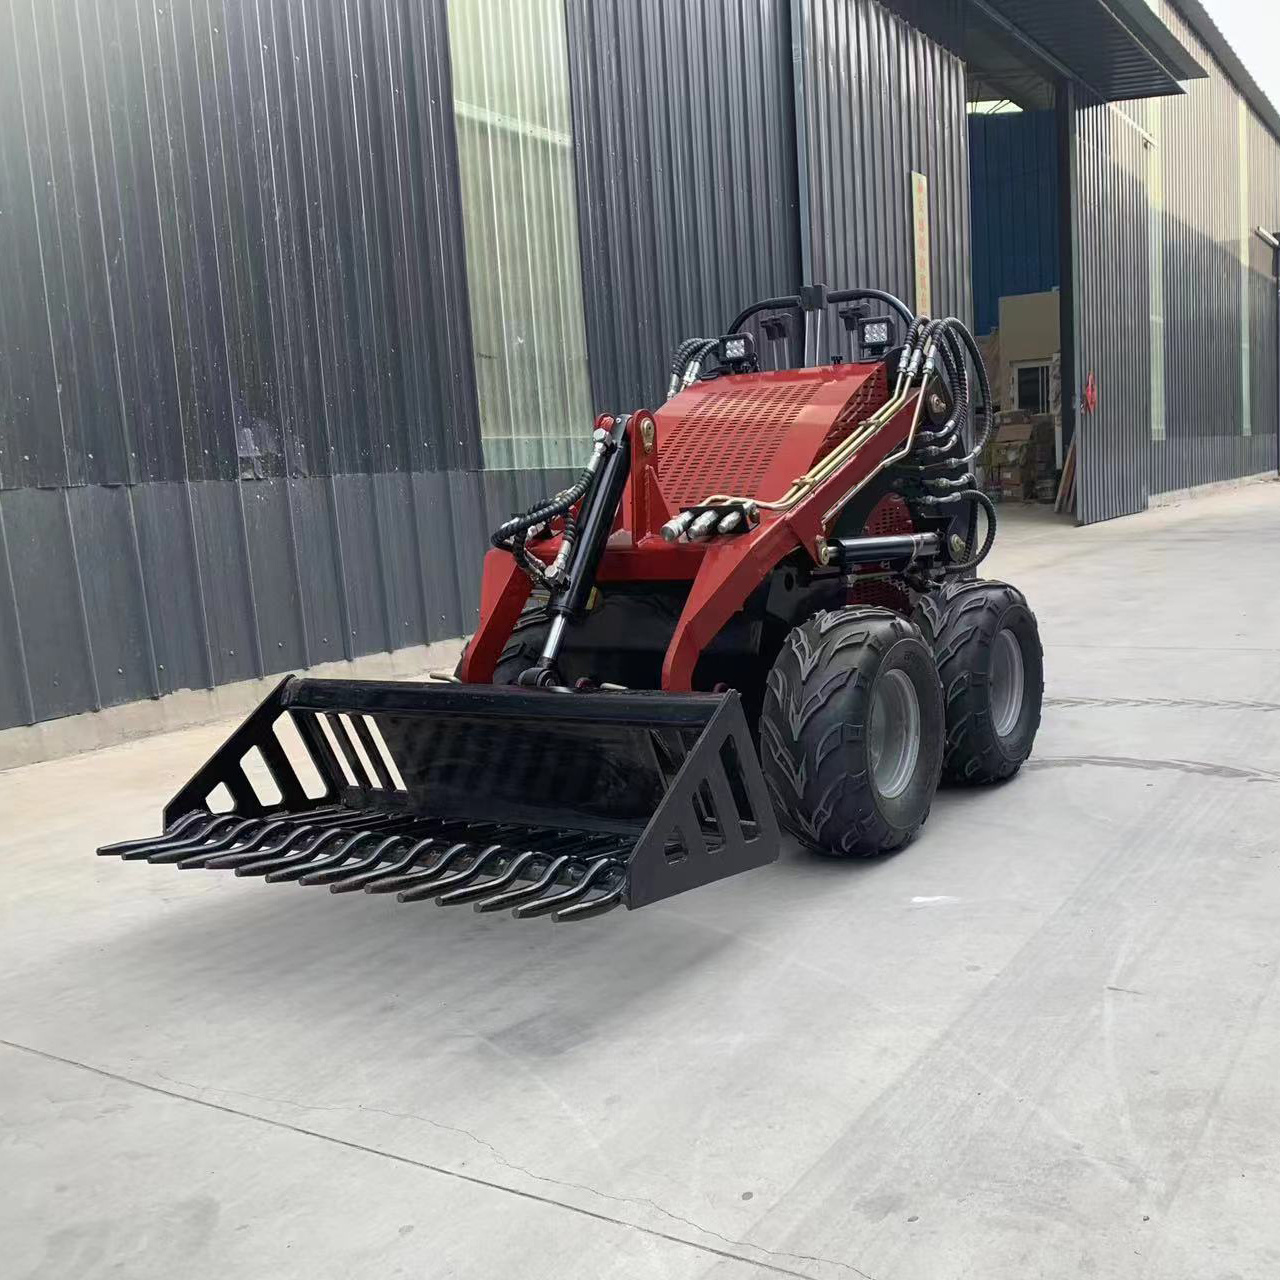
944	439
691	350
680	358
507	534
958	329
981	499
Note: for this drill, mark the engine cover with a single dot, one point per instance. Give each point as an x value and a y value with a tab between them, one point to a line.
752	434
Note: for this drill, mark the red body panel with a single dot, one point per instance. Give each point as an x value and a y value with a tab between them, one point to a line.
749	435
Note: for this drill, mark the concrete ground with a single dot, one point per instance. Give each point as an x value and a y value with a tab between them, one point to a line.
1040	1042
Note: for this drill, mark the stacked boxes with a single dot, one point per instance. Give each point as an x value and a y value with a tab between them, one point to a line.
1018	462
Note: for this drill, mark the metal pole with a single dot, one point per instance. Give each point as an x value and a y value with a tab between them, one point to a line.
802	140
1272	238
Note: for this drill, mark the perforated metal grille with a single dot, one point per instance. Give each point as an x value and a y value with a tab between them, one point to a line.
885	595
728	443
889	515
866	400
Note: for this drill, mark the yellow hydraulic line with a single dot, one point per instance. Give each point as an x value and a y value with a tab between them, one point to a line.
892	458
836	458
833	460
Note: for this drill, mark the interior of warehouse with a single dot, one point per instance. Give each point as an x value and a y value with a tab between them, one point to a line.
1016	144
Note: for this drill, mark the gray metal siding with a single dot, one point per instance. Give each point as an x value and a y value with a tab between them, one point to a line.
882	100
1264	305
237	230
1199	154
687	198
1113	309
1201	159
237	405
113	593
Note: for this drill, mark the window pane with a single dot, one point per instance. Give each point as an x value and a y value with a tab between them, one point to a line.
515	151
1033	388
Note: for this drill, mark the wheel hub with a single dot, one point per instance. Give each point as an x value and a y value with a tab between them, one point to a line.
1007	681
893	733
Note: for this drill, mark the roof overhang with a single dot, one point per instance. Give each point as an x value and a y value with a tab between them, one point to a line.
1118	49
1205	27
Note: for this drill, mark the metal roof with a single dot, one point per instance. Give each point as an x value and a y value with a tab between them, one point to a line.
1205	27
1119	49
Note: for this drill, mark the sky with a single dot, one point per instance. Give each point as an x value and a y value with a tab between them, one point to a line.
1252	29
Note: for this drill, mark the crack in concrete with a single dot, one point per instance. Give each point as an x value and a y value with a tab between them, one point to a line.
1192	704
1203	768
774	1266
634	1201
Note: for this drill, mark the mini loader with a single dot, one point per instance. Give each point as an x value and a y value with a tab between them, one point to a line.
756	606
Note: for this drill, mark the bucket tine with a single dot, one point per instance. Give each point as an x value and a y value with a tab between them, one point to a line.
361	873
245	829
488	856
304	871
303	856
256	853
388	883
302	853
545	906
354	875
593	906
560	850
304	859
183	826
337	866
298	867
208	823
272	829
281	826
471	892
190	842
528	891
427	883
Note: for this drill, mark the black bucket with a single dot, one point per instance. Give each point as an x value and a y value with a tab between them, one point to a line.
546	802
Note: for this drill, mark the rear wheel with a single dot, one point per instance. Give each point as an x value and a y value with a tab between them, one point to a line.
991	665
851	732
524	648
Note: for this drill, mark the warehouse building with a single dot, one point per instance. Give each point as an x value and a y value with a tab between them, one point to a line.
298	300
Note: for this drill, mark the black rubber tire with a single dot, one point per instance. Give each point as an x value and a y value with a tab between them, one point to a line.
523	647
961	622
813	739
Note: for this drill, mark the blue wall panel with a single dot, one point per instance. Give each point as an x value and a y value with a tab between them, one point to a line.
1014	195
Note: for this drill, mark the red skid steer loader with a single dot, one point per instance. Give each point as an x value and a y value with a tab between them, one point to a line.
756	606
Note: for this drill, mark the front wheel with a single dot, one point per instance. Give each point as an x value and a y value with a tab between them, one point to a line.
851	732
987	646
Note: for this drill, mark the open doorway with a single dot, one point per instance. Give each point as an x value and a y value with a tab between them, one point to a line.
1017	210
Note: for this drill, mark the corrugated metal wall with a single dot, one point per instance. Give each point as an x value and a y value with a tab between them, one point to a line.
882	100
1205	221
1113	342
1202	172
687	199
1013	166
1264	306
237	409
